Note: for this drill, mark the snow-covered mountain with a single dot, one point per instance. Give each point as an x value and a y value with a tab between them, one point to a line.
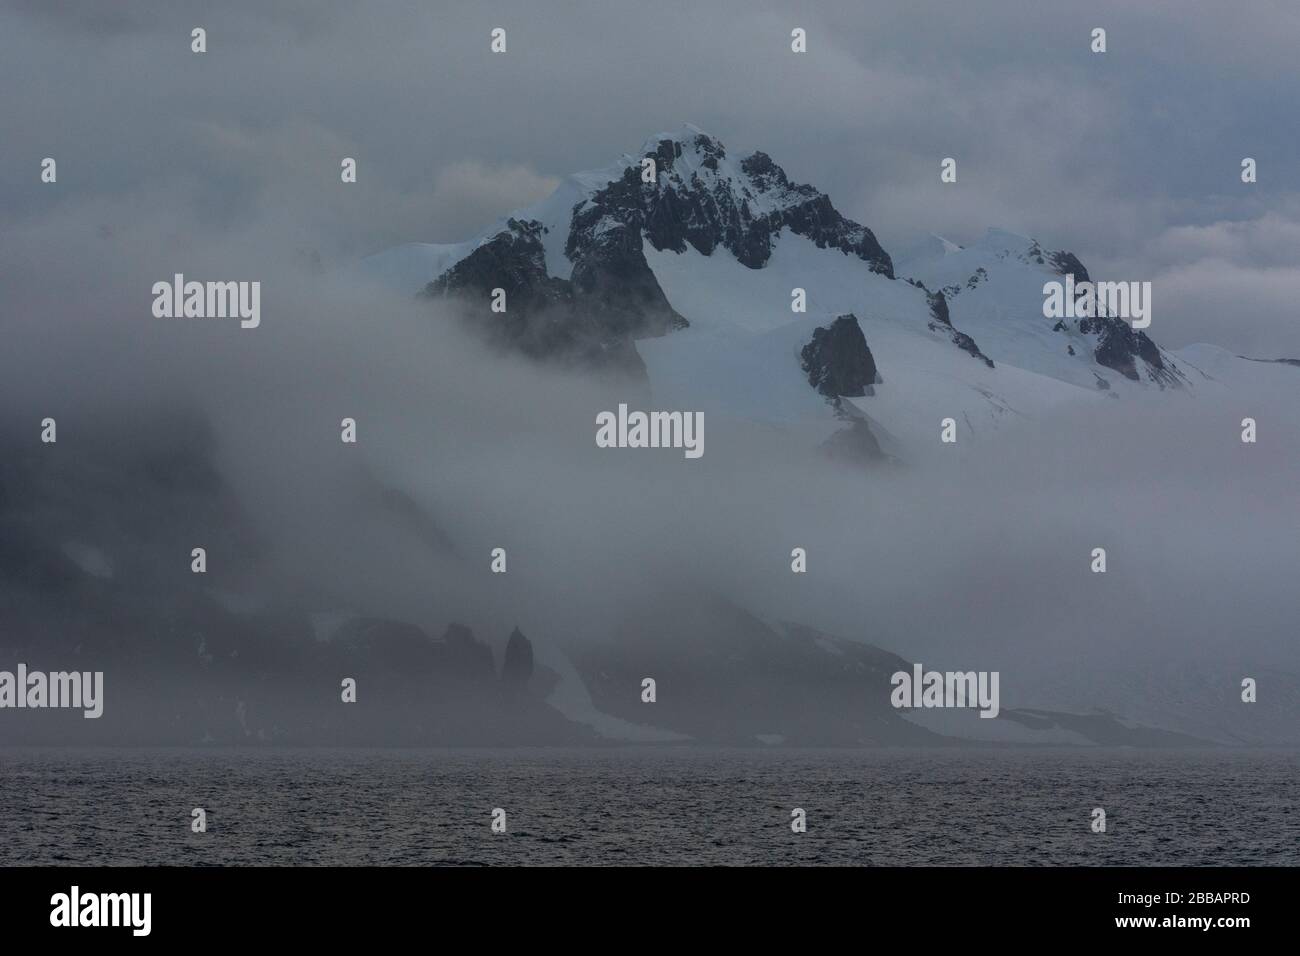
689	279
689	276
994	291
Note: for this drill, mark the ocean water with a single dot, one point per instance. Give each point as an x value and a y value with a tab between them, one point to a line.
648	806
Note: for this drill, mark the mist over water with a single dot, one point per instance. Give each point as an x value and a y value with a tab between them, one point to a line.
980	562
178	433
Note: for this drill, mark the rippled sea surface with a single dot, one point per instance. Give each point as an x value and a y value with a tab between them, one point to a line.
657	806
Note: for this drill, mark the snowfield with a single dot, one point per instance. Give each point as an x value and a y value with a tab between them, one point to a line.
739	362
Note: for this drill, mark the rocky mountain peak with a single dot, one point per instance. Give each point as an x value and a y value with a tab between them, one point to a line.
699	198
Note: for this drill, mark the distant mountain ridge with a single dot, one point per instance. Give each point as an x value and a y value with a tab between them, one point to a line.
680	265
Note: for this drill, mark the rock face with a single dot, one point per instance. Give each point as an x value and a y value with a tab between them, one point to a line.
696	199
1065	263
590	321
996	285
838	361
518	665
1279	361
705	202
939	312
609	258
839	364
1119	346
938	305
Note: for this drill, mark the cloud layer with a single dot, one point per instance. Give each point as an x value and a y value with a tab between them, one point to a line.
1120	157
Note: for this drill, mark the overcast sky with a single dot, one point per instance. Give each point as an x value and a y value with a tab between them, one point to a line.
227	165
1131	159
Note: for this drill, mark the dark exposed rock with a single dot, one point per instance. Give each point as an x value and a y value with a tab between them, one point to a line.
667	151
698	199
517	667
712	151
1119	344
612	297
939	308
942	322
610	271
818	220
1067	263
839	364
513	260
1278	361
681	209
838	361
967	344
589	321
764	173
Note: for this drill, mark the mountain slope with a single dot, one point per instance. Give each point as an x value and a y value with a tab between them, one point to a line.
994	291
699	258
